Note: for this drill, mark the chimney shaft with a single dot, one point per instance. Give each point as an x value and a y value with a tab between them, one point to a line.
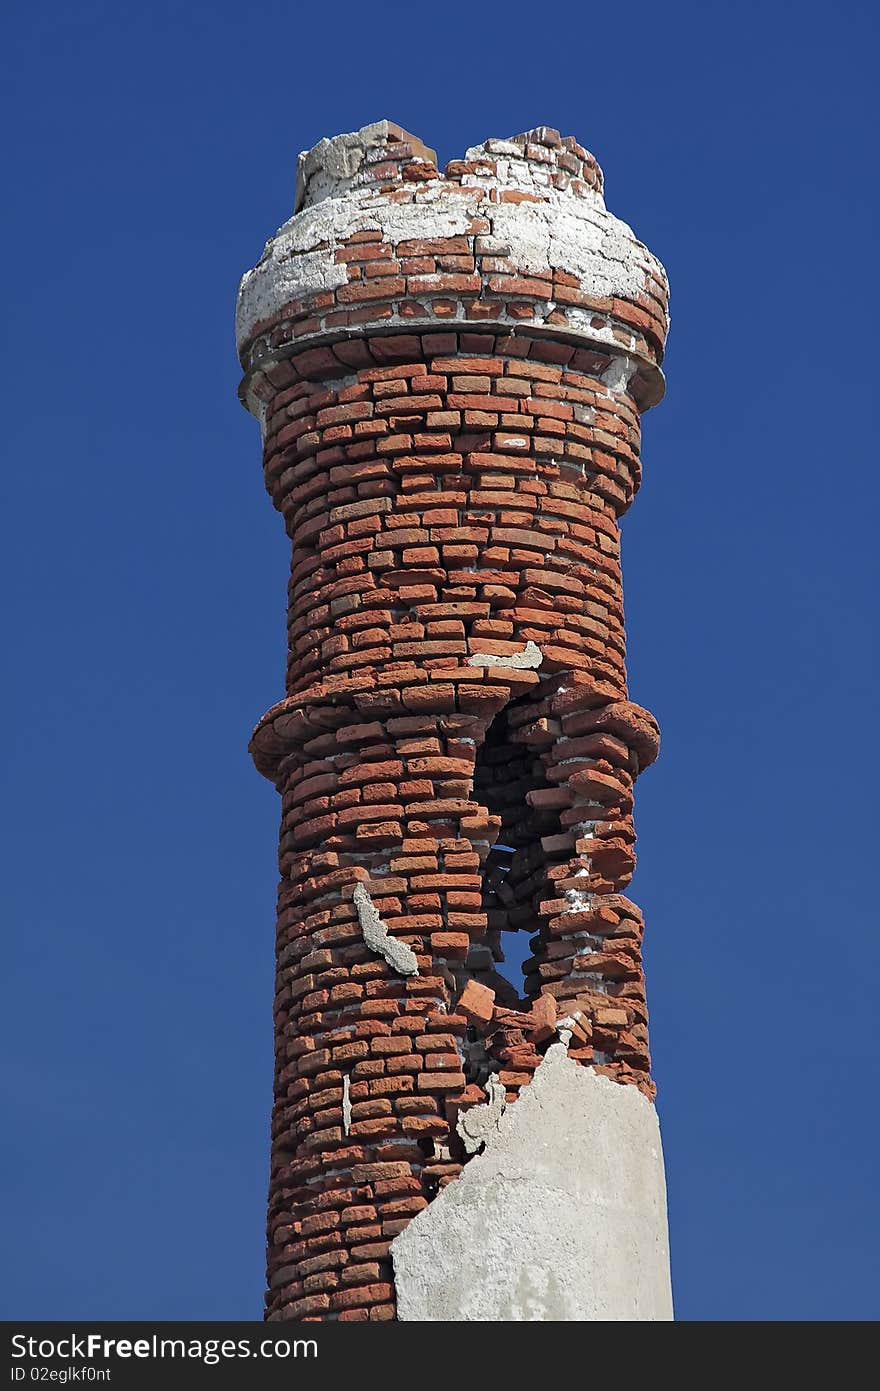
449	370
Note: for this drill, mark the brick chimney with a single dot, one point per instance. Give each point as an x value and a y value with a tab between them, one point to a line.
449	370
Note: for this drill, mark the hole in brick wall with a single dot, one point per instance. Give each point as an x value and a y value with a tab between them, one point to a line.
515	946
506	770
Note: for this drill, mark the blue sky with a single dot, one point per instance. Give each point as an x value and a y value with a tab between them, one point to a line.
152	152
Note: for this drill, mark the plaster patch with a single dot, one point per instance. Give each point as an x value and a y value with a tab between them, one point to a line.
397	954
561	1218
575	235
478	1123
619	373
530	657
565	1027
300	260
332	162
334	166
577	900
346	1103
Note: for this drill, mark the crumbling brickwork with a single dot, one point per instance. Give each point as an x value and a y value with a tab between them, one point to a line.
449	369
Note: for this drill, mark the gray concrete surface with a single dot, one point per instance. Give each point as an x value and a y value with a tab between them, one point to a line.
561	1218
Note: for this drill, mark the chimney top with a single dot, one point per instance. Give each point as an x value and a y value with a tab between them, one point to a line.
543	251
385	153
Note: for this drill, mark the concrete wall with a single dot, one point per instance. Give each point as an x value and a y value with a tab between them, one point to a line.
561	1218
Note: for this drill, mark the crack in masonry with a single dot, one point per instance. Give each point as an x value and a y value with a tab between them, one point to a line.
477	1123
530	657
396	954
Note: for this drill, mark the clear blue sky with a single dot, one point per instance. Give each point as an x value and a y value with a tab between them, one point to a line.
151	151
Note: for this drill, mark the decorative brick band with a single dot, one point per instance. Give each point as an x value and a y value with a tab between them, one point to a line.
456	752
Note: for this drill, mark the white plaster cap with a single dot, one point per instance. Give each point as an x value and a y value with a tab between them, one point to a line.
363	181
